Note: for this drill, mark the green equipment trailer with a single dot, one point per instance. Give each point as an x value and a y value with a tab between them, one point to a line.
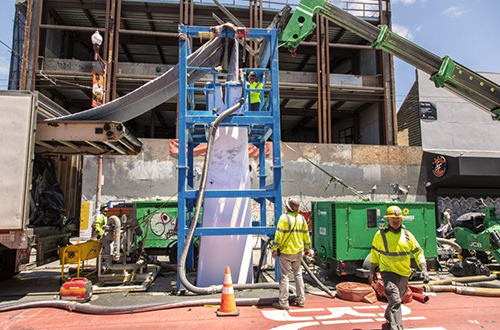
343	231
160	218
158	221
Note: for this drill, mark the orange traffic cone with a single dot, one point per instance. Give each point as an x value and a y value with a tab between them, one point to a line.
228	303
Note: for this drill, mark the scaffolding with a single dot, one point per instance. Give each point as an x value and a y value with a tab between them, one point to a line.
262	125
328	89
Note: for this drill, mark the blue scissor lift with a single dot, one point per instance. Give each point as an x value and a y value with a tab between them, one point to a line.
262	125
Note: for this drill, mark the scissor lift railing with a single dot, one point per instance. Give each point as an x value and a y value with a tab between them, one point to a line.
262	125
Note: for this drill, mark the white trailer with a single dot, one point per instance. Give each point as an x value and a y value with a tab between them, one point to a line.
24	135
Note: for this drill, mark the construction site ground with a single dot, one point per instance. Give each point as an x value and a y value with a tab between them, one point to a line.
443	311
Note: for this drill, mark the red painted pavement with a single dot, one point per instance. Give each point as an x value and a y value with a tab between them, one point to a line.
446	311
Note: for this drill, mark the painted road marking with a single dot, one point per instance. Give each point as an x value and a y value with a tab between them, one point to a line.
297	326
306	310
341	311
284	316
335	313
365	307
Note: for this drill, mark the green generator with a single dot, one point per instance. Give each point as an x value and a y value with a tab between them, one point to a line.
343	231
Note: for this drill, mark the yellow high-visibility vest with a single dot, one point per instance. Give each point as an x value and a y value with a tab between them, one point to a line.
100	221
255	96
392	251
292	234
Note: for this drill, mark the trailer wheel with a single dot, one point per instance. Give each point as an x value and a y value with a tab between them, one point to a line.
7	264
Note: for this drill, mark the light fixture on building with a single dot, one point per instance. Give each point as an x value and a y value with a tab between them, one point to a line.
96	41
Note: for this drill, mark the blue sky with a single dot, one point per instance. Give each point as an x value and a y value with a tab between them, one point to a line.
6	25
466	30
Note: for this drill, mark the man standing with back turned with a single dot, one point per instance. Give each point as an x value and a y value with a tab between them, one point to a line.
291	242
391	250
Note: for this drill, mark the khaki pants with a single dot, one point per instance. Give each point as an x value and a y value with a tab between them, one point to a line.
395	287
290	263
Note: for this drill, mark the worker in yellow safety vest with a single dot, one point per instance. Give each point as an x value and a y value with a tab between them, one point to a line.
391	252
100	221
291	242
255	95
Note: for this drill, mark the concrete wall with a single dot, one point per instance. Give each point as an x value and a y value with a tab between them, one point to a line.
459	125
381	172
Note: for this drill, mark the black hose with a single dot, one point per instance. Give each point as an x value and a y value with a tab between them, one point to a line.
321	285
261	260
72	306
181	271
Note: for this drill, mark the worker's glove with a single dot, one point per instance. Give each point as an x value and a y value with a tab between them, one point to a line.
274	254
307	252
425	276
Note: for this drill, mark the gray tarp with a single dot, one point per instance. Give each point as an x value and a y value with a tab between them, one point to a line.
156	91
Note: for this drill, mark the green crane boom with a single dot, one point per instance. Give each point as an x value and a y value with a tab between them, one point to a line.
444	71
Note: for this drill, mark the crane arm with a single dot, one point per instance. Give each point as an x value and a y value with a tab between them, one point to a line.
444	71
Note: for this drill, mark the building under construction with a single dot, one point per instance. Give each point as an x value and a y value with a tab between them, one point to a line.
335	89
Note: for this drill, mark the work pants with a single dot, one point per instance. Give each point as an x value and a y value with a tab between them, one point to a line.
290	263
395	287
255	106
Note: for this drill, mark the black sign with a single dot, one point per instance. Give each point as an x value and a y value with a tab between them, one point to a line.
428	111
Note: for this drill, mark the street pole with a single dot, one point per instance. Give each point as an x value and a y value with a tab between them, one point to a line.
97	41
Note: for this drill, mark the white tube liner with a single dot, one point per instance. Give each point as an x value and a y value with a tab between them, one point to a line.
229	169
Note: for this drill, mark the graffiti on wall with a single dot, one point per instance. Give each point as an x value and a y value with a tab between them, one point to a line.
462	205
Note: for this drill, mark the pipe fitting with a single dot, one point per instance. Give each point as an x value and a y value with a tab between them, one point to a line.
115	251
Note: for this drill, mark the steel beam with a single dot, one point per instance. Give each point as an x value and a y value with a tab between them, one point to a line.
153	28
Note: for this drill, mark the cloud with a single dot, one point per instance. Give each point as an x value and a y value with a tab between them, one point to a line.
4	65
403	31
406	2
453	12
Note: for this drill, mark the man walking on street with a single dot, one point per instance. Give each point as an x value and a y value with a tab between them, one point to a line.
291	242
390	251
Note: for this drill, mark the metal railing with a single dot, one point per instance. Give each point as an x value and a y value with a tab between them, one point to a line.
360	8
